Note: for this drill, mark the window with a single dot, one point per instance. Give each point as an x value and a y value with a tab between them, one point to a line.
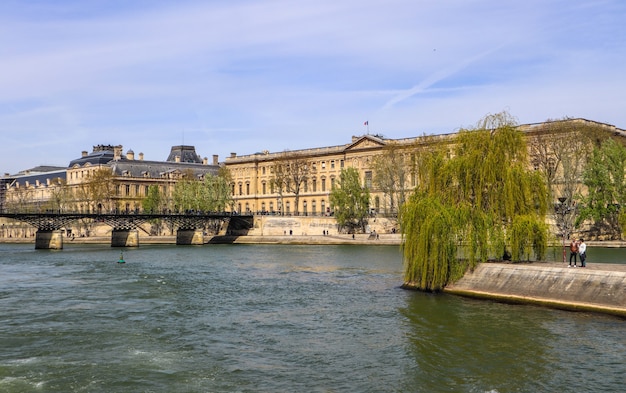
313	206
314	185
272	207
263	170
368	179
136	189
247	188
323	164
127	192
264	188
332	183
323	185
146	190
332	164
341	163
240	191
323	206
287	208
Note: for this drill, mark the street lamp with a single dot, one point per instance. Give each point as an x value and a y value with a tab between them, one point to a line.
562	210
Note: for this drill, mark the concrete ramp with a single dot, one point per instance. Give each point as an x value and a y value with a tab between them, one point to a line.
601	288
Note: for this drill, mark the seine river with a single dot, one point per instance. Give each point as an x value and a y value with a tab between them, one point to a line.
253	318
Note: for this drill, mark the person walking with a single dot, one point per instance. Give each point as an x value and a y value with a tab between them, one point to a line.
582	251
573	252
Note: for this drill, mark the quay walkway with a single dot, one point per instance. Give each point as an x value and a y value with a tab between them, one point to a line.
598	287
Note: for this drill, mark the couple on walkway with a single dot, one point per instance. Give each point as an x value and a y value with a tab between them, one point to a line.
577	247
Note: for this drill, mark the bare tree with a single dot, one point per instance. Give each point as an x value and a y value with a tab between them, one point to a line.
290	172
560	150
60	195
391	176
20	199
97	192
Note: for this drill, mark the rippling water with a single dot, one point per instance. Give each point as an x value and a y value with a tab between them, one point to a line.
226	318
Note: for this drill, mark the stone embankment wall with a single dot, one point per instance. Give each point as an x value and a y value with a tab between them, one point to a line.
312	225
598	287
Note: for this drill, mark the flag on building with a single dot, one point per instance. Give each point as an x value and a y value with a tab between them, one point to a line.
366	123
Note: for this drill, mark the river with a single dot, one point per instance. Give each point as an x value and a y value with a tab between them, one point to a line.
278	318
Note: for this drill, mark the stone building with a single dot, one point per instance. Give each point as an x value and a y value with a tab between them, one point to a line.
254	178
126	184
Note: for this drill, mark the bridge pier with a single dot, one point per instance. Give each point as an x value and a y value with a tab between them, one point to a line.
189	237
125	238
48	240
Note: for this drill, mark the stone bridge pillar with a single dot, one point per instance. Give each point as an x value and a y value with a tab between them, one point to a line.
49	240
190	237
125	238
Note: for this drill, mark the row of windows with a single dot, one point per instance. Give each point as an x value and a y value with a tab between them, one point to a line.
278	208
313	166
305	187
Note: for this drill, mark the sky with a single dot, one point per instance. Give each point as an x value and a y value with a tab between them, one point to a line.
245	76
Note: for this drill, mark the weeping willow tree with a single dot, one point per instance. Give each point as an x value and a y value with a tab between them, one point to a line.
475	199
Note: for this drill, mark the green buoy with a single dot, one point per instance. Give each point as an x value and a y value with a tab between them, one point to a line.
121	258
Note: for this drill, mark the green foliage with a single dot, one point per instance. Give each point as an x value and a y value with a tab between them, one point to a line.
606	183
153	202
211	194
350	200
468	197
528	237
430	246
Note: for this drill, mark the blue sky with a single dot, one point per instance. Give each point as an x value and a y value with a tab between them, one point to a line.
245	76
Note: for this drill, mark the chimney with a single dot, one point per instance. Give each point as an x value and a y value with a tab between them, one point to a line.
130	155
205	161
215	159
177	159
84	153
233	155
117	152
140	156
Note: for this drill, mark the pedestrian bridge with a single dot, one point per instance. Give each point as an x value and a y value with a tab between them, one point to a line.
125	233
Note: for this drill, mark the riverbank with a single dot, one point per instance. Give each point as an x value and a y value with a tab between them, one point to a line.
599	287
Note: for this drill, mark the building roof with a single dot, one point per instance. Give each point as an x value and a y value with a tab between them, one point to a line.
185	153
101	155
158	169
38	177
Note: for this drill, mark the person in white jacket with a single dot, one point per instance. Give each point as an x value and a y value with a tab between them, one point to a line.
582	252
